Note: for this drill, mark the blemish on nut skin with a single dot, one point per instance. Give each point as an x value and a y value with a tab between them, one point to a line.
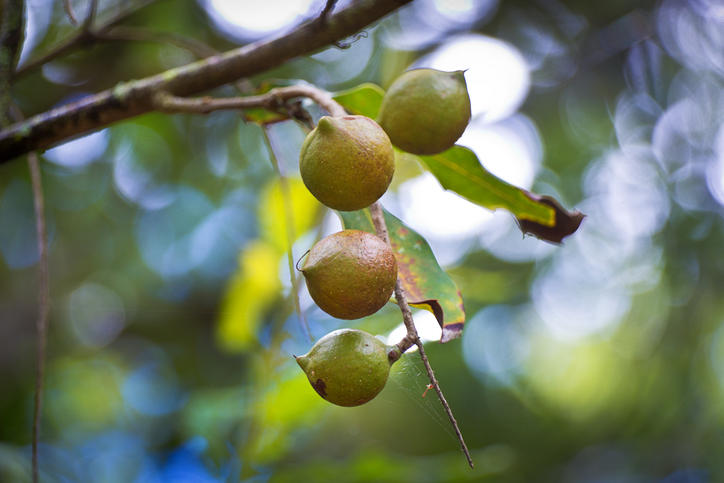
320	387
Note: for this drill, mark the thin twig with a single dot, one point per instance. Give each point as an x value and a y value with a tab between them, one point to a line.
91	16
412	336
80	37
291	236
43	303
41	323
272	100
328	7
67	5
441	396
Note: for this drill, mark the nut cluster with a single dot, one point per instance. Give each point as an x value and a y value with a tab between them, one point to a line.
347	163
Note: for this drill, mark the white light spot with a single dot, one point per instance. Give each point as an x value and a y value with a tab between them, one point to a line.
427	327
510	149
96	313
433	211
454	7
494	344
247	19
79	152
497	75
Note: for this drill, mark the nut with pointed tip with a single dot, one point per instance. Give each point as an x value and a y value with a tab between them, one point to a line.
348	367
350	274
426	110
347	162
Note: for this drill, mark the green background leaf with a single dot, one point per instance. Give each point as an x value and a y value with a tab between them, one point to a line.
364	99
425	282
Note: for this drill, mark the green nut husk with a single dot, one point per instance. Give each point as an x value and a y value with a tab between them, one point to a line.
347	162
426	110
350	274
348	367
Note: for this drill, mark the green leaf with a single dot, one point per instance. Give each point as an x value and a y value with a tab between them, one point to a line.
458	169
364	99
425	282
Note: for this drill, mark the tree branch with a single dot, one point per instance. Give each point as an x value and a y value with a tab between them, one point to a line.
136	97
412	337
272	100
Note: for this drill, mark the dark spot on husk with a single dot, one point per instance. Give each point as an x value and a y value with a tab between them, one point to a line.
320	387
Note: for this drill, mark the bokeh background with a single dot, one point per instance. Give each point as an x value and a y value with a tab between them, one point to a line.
173	321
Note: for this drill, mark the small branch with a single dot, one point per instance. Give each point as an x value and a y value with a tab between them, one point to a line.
43	303
328	7
441	396
412	336
80	37
68	7
90	18
41	323
381	228
272	100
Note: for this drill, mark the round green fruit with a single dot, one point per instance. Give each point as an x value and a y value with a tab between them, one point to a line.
348	367
347	162
426	110
350	274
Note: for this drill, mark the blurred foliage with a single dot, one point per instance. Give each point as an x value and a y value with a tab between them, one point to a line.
173	320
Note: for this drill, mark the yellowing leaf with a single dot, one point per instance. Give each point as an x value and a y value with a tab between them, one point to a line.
303	206
249	294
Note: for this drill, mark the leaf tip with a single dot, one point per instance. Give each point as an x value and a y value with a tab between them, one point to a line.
566	222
